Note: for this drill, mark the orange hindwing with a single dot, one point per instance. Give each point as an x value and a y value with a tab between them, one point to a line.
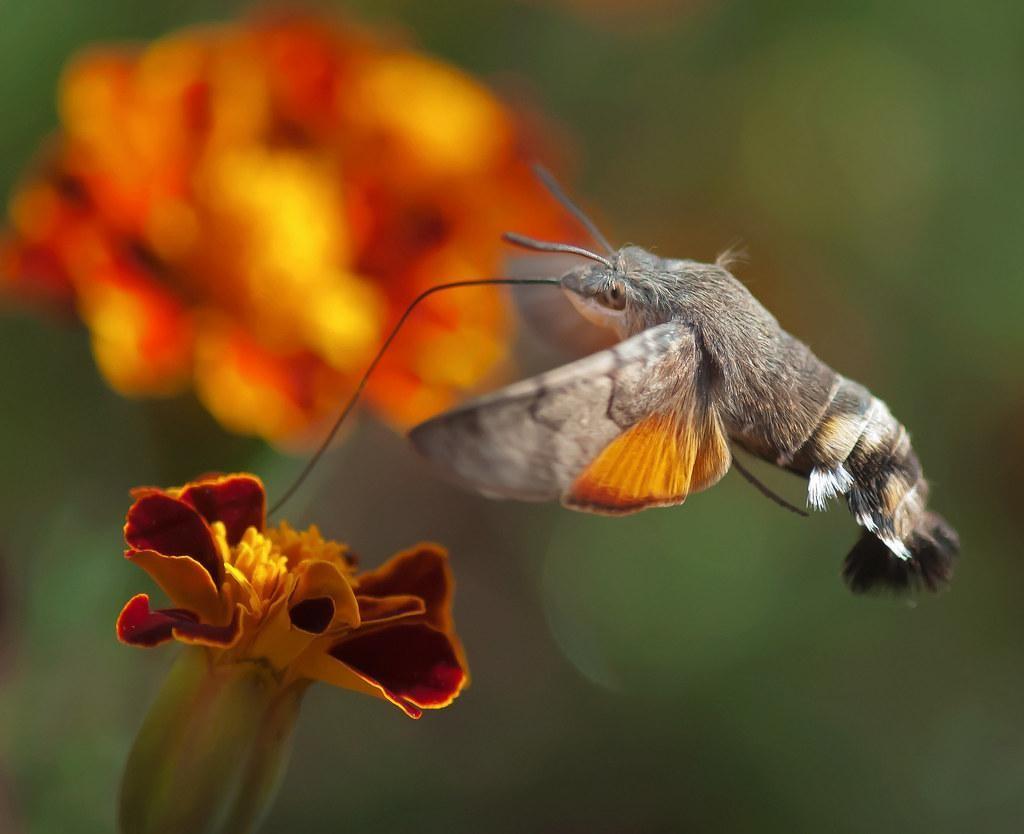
655	463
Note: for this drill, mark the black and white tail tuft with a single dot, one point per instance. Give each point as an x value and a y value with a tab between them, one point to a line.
933	546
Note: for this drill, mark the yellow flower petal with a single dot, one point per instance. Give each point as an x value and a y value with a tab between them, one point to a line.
186	582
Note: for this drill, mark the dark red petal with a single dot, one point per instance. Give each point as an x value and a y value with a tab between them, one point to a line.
236	500
312	615
142	491
139	626
373	609
421	572
414	664
173	528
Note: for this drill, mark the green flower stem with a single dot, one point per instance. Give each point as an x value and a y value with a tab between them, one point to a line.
210	754
267	762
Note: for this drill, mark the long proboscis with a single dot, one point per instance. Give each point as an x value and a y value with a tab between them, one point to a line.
357	393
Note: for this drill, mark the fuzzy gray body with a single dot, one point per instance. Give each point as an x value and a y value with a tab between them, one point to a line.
687	323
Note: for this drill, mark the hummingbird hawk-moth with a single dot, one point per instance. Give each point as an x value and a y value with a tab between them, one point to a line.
647	422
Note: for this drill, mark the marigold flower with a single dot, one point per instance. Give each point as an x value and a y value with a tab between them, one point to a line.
248	208
290	600
264	611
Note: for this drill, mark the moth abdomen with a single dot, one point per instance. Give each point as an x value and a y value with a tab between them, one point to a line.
860	451
822	456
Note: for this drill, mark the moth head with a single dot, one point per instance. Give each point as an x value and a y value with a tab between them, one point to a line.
600	295
624	292
619	294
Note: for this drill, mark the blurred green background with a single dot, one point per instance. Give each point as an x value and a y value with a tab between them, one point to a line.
695	669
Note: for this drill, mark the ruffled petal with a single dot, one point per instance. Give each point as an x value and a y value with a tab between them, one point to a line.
169	526
319	581
312	615
238	501
378	610
414	666
187	583
278	641
318	604
421	571
137	625
316	664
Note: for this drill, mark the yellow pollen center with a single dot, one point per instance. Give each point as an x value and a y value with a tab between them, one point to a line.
256	563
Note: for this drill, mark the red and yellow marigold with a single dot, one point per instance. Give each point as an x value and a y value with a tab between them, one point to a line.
247	208
263	611
290	601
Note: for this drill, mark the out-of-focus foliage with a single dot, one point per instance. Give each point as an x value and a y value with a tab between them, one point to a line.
693	669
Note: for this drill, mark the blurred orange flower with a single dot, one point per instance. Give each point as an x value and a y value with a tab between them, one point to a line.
247	208
291	601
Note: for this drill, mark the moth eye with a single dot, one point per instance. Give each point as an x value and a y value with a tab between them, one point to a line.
614	297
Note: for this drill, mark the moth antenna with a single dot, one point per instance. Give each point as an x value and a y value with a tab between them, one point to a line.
556	191
550	246
765	491
357	393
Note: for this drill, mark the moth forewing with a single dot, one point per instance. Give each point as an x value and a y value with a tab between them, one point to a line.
533	440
